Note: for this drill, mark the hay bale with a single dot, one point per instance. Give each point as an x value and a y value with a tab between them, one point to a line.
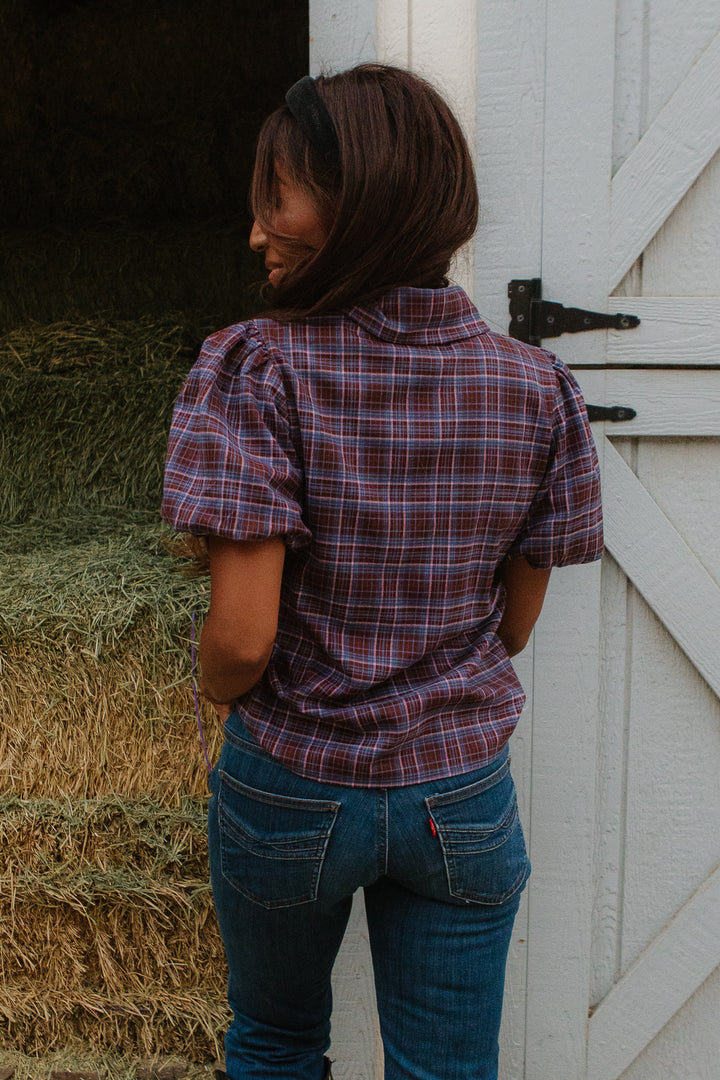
107	929
77	1056
96	691
107	934
85	412
41	1021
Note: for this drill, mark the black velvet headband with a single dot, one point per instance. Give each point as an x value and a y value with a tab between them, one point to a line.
309	110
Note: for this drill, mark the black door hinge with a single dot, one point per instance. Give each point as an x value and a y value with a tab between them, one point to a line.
614	413
532	318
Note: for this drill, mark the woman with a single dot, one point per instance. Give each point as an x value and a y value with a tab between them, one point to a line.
384	485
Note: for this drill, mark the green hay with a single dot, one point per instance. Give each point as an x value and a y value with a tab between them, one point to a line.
159	345
37	533
205	269
93	596
104	835
84	416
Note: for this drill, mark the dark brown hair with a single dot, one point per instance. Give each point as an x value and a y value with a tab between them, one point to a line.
397	206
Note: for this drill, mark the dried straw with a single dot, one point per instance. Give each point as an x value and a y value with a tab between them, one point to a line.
76	1057
107	933
109	896
39	1021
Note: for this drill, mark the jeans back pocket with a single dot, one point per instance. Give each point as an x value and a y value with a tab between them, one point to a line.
479	831
272	846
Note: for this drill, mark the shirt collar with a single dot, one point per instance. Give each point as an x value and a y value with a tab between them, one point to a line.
407	316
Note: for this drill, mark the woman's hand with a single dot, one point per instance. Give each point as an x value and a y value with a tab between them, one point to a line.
222	708
223	711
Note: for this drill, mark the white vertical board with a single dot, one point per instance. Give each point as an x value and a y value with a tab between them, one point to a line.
356	1048
577	152
509	165
341	34
658	845
509	159
575	221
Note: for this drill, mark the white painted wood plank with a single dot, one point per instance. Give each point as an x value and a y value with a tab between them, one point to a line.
509	164
662	566
683	476
562	825
652	991
393	32
682	258
667	160
688	1046
676	36
673	760
575	225
630	71
356	1046
341	34
673	330
674	740
443	48
667	402
577	177
611	807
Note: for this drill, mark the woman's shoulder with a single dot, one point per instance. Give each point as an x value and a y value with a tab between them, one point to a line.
531	359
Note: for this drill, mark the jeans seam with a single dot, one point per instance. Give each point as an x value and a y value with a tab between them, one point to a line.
382	832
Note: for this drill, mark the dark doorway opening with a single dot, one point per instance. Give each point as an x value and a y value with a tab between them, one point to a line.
128	131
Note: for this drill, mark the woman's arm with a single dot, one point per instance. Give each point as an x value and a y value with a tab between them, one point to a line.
525	588
239	632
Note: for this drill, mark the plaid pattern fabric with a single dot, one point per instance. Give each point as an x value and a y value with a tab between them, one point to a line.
402	450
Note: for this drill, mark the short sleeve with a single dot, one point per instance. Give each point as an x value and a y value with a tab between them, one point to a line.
232	469
564	523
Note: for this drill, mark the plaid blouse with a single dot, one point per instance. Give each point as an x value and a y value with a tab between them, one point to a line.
402	450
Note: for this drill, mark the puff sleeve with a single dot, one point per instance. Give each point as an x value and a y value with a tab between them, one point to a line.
564	523
232	467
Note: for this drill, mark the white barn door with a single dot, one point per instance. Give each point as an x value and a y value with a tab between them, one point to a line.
596	129
624	908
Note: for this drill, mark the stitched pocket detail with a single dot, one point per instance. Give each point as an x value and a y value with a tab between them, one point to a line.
479	831
272	847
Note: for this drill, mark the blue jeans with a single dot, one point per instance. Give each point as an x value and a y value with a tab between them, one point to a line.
442	865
